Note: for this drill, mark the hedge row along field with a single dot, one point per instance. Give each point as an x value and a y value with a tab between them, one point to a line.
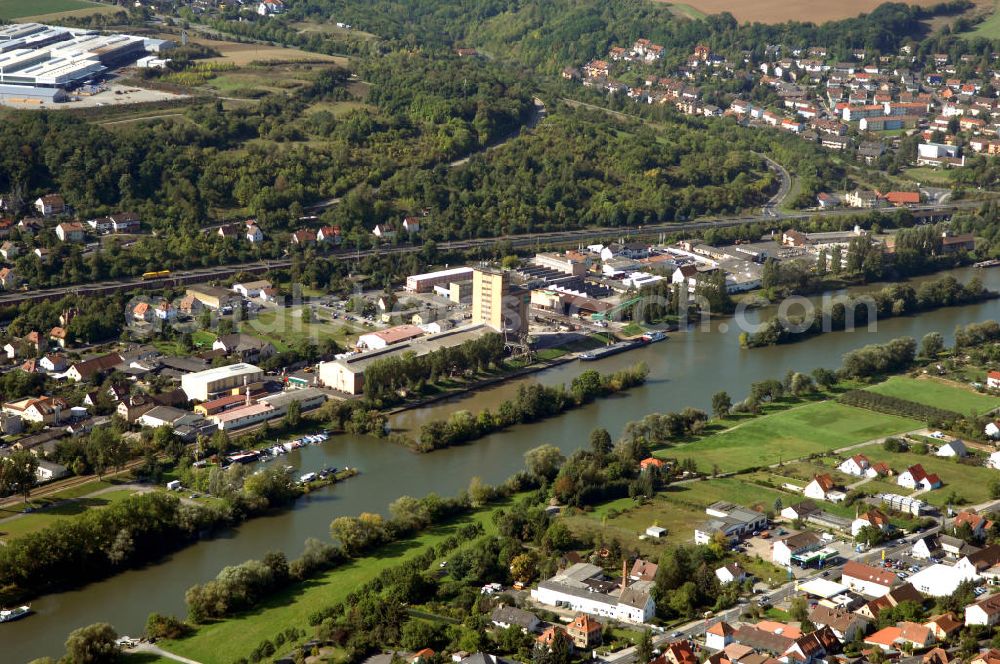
883	403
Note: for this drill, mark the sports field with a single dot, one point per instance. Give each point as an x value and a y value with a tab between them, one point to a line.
790	434
779	11
937	393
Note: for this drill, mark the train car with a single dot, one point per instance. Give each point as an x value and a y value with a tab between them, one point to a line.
156	275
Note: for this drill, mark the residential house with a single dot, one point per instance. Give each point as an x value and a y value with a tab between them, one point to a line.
44	410
132	408
50	205
719	635
9	250
304	237
329	234
48	471
867	580
846	625
506	617
903	198
643	570
860	198
993	380
937	656
984	612
822	488
915	477
384	231
165	311
975	563
8	278
253	234
94	368
53	362
651	462
57	335
678	652
926	548
873	518
142	312
70	231
890	638
977	523
954	448
731	572
991	656
584	632
731	521
246	347
856	465
944	626
411	225
125	222
549	636
270	7
229	231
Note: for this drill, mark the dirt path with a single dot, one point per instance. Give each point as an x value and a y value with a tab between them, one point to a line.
156	650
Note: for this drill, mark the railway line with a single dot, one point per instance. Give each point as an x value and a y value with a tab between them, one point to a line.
569	237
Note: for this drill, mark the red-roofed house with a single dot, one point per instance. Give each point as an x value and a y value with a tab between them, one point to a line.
915	477
873	518
819	488
651	462
719	635
993	380
584	631
867	580
855	465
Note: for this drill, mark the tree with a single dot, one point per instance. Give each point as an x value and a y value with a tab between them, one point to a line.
721	404
544	461
294	414
479	492
17	473
644	649
799	609
94	644
523	567
600	443
931	345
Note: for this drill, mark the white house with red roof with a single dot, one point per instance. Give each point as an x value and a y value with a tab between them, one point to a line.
856	465
915	477
993	380
873	518
719	635
867	580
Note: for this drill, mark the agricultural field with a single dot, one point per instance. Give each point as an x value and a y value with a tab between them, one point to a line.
779	11
937	393
243	54
789	434
20	9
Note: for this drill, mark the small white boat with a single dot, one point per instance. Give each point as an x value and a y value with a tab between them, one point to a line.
278	449
308	477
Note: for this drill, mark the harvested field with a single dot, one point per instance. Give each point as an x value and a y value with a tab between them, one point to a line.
243	54
779	11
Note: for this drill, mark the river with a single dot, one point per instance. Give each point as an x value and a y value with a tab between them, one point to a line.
685	370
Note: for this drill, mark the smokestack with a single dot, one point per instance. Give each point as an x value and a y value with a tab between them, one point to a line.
246	388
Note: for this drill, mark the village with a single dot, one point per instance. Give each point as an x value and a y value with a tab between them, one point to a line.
860	107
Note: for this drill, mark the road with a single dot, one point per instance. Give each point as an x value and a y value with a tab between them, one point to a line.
578	236
783	188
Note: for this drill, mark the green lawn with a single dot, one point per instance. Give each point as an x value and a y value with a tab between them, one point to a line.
36	521
969	482
937	393
203	338
14	9
789	434
283	327
929	175
227	640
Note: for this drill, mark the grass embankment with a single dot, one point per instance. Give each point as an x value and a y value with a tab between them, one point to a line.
937	393
790	434
226	640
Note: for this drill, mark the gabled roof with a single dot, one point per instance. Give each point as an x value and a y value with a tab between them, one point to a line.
863	572
990	605
825	482
721	628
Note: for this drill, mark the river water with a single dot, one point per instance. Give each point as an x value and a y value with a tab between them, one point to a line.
685	370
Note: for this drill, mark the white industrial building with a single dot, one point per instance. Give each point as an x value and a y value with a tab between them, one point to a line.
40	61
939	580
583	588
205	385
425	283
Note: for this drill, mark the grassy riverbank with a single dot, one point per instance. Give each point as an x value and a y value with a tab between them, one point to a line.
226	640
937	393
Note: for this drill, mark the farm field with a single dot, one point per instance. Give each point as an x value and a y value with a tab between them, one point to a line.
969	482
779	11
937	393
225	640
990	27
19	9
789	434
243	54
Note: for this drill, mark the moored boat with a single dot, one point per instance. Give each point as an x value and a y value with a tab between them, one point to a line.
9	615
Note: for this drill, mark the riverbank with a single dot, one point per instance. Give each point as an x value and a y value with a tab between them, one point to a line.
686	372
